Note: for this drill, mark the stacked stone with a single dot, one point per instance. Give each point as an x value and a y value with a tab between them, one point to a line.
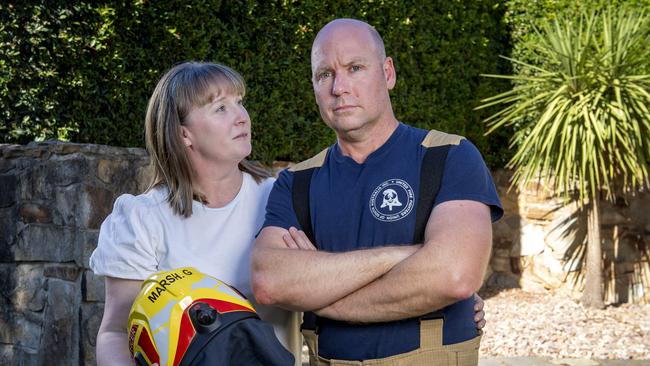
538	243
53	198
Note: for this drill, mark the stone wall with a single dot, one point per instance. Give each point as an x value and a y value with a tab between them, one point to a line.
54	196
536	245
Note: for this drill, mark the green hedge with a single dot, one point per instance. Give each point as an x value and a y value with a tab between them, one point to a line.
84	72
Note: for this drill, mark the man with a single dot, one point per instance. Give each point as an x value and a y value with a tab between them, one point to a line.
371	286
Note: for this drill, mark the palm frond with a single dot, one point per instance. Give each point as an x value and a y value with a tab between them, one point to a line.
582	118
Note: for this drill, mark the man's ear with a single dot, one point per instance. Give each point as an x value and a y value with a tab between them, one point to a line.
389	72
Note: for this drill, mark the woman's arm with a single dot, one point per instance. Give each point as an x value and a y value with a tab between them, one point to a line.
112	341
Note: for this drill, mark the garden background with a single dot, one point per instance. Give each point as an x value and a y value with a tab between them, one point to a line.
82	72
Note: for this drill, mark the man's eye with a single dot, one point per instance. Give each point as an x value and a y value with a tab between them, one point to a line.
355	68
324	75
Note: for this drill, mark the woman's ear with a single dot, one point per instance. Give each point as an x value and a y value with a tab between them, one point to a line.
186	136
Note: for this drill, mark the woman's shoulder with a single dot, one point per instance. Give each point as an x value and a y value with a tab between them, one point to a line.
257	191
129	236
146	201
267	182
264	184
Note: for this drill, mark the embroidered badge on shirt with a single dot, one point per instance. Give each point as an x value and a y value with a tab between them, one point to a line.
392	200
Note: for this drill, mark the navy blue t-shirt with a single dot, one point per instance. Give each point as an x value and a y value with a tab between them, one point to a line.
355	206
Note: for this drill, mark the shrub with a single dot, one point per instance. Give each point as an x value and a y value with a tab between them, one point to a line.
83	71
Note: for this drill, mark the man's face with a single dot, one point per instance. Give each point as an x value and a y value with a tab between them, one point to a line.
350	79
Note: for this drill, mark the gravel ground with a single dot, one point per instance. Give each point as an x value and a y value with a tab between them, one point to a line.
552	325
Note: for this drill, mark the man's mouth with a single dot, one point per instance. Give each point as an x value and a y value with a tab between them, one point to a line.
343	108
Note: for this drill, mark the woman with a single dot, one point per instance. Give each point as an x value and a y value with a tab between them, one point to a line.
203	207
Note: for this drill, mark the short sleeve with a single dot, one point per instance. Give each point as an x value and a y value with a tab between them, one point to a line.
279	208
466	177
127	241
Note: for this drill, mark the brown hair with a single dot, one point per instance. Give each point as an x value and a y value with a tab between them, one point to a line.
183	87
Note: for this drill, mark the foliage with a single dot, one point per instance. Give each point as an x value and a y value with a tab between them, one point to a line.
84	70
523	15
582	116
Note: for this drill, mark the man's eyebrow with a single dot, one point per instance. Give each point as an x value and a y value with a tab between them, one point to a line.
352	61
356	60
320	69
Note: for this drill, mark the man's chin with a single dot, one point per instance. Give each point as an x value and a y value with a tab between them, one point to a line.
346	124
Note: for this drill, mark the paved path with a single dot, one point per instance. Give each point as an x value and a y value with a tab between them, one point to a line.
540	361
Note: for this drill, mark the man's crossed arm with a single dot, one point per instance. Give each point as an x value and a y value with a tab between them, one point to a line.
379	284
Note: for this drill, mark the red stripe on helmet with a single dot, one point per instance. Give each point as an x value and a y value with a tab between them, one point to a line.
144	341
225	306
185	334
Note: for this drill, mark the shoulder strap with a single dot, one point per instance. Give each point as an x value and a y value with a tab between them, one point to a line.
302	173
437	146
433	165
300	199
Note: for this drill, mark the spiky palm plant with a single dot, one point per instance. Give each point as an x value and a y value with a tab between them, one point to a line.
582	118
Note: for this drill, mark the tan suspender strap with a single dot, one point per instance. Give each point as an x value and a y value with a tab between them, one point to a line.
311	338
430	353
315	161
431	333
436	138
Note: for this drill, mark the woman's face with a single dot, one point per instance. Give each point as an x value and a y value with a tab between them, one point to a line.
219	131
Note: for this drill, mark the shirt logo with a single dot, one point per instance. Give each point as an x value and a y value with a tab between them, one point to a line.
392	200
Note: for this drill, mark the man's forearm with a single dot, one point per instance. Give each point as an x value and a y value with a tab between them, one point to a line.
412	288
448	268
306	280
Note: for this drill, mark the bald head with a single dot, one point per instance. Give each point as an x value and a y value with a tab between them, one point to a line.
352	77
346	27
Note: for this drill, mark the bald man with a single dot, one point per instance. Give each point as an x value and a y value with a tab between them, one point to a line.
379	294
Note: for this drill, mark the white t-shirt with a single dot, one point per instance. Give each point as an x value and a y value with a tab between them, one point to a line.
143	236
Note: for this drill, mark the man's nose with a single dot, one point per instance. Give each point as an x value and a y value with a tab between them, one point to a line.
340	85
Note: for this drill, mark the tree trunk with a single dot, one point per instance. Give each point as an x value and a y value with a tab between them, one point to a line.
593	292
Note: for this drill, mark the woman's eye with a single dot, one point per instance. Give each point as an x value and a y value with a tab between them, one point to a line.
221	108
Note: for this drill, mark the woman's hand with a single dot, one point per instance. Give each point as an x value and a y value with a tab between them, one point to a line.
296	239
479	314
